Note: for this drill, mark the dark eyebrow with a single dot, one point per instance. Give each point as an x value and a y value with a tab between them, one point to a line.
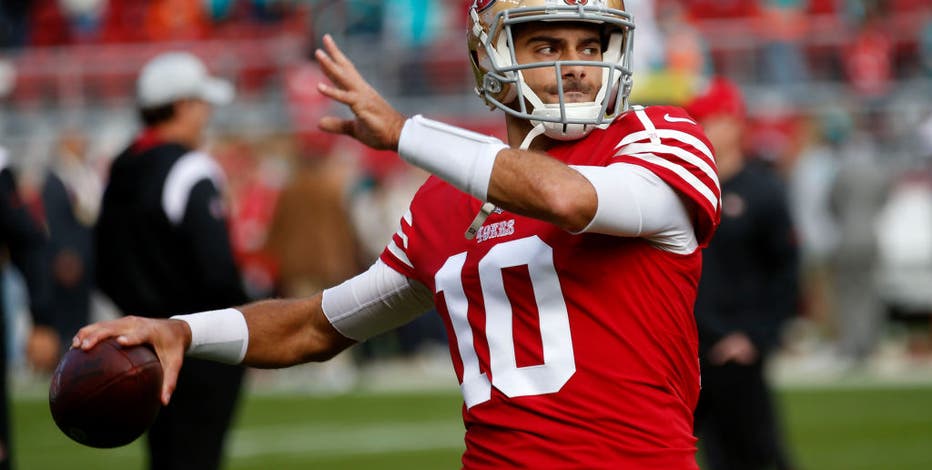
555	40
547	39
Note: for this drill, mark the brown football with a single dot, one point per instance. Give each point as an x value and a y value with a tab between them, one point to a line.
108	396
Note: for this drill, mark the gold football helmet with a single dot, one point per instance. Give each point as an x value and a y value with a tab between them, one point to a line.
499	78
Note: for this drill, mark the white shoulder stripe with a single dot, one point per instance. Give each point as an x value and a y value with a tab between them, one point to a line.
649	128
190	169
401	231
634	149
681	136
399	253
683	173
404	238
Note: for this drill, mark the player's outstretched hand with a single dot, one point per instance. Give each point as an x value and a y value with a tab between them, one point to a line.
169	338
376	124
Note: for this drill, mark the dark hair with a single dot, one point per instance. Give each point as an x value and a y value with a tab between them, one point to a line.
156	115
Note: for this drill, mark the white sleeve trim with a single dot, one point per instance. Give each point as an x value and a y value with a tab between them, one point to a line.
189	170
375	301
635	202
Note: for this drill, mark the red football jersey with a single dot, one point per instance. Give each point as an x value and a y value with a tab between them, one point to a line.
573	351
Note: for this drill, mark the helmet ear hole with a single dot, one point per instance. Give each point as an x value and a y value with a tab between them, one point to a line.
492	85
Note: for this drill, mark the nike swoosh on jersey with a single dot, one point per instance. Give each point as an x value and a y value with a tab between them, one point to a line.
668	118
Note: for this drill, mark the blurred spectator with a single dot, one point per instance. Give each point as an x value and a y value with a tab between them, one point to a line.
269	11
684	59
748	289
162	247
311	237
415	23
378	203
365	17
14	23
869	59
859	190
71	200
774	133
25	241
219	10
48	24
925	41
686	51
650	52
305	106
810	182
85	18
783	29
176	20
904	231
721	8
255	175
122	20
413	26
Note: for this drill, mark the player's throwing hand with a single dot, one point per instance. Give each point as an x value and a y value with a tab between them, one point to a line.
376	124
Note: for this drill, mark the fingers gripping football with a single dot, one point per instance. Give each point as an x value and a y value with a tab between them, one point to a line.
376	124
169	338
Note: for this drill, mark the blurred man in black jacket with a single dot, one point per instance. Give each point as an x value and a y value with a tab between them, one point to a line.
748	289
163	247
25	241
71	197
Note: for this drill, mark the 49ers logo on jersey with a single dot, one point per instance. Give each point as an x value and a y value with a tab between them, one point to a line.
483	4
576	2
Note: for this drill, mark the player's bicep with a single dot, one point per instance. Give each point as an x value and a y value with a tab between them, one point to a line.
375	301
635	202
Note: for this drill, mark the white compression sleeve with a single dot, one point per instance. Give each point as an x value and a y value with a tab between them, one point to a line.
217	335
635	202
459	157
375	301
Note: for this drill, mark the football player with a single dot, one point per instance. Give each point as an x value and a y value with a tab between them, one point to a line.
564	262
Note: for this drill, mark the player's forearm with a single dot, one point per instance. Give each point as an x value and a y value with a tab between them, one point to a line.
288	332
524	182
538	186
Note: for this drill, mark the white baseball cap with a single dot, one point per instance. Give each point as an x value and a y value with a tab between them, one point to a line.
174	76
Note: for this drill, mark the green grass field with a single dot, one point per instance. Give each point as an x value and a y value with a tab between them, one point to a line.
844	429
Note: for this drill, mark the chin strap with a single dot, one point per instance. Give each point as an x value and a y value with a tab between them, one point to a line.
536	132
488	207
483	214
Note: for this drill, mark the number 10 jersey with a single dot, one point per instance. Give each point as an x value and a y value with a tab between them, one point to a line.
572	350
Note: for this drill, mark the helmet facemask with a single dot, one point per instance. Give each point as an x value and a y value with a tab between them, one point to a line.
501	81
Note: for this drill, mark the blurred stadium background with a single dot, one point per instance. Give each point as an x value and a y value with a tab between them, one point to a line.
831	85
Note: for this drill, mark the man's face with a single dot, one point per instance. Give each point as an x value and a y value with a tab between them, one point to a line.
193	116
195	113
724	132
546	42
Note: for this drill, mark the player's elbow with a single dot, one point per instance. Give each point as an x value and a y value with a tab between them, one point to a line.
291	352
571	210
323	344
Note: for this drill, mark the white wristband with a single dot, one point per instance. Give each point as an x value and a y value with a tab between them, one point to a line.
217	335
460	157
